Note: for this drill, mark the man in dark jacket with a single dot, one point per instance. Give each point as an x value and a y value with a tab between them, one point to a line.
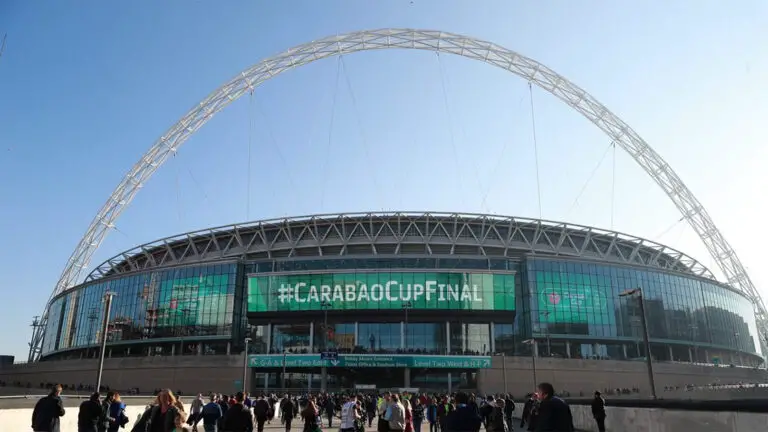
554	413
90	415
211	414
288	411
509	409
261	410
47	412
238	417
598	411
464	418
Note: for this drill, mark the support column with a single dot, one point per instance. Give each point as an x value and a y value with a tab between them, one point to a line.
448	338
229	348
624	348
671	353
568	349
690	355
357	334
402	335
173	350
266	382
450	383
312	339
269	337
706	356
535	347
407	380
493	339
323	379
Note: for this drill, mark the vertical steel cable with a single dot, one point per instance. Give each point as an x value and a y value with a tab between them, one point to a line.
535	148
330	134
250	134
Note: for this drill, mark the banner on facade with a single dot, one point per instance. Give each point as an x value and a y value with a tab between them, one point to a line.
382	290
368	361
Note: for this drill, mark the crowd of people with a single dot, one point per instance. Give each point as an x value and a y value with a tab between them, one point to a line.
384	412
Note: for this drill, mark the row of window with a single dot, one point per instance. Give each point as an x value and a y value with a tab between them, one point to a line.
586	299
544	297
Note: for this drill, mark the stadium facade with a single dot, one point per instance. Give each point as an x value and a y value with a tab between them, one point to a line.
401	299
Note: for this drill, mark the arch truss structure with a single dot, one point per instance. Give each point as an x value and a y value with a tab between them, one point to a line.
442	42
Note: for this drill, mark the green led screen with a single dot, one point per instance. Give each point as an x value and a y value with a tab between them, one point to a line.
572	298
184	302
382	290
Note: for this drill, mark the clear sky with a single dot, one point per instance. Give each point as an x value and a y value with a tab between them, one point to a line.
86	87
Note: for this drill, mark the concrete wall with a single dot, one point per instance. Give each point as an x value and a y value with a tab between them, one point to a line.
587	376
192	374
659	420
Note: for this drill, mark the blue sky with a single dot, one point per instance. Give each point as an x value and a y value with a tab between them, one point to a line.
86	88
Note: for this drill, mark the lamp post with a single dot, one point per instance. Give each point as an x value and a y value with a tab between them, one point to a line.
107	308
284	361
406	305
532	343
504	370
325	306
638	292
245	365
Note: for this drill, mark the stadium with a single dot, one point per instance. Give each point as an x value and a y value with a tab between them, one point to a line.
400	299
421	300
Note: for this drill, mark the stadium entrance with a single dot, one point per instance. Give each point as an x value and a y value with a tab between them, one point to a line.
331	371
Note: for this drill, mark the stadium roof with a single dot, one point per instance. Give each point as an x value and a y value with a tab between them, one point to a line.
398	234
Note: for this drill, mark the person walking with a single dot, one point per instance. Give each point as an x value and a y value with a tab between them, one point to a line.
349	415
311	416
464	418
46	417
261	412
288	411
330	409
211	414
598	411
509	409
431	411
417	414
554	413
195	411
117	416
90	415
238	417
496	421
396	415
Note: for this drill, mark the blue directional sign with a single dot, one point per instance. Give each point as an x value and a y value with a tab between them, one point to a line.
329	356
369	361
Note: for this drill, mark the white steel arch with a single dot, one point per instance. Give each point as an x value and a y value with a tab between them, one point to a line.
427	40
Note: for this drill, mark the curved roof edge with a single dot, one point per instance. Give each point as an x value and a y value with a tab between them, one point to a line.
398	233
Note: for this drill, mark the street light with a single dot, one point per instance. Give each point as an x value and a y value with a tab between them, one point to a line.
638	292
107	308
406	305
532	343
245	364
325	305
285	351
